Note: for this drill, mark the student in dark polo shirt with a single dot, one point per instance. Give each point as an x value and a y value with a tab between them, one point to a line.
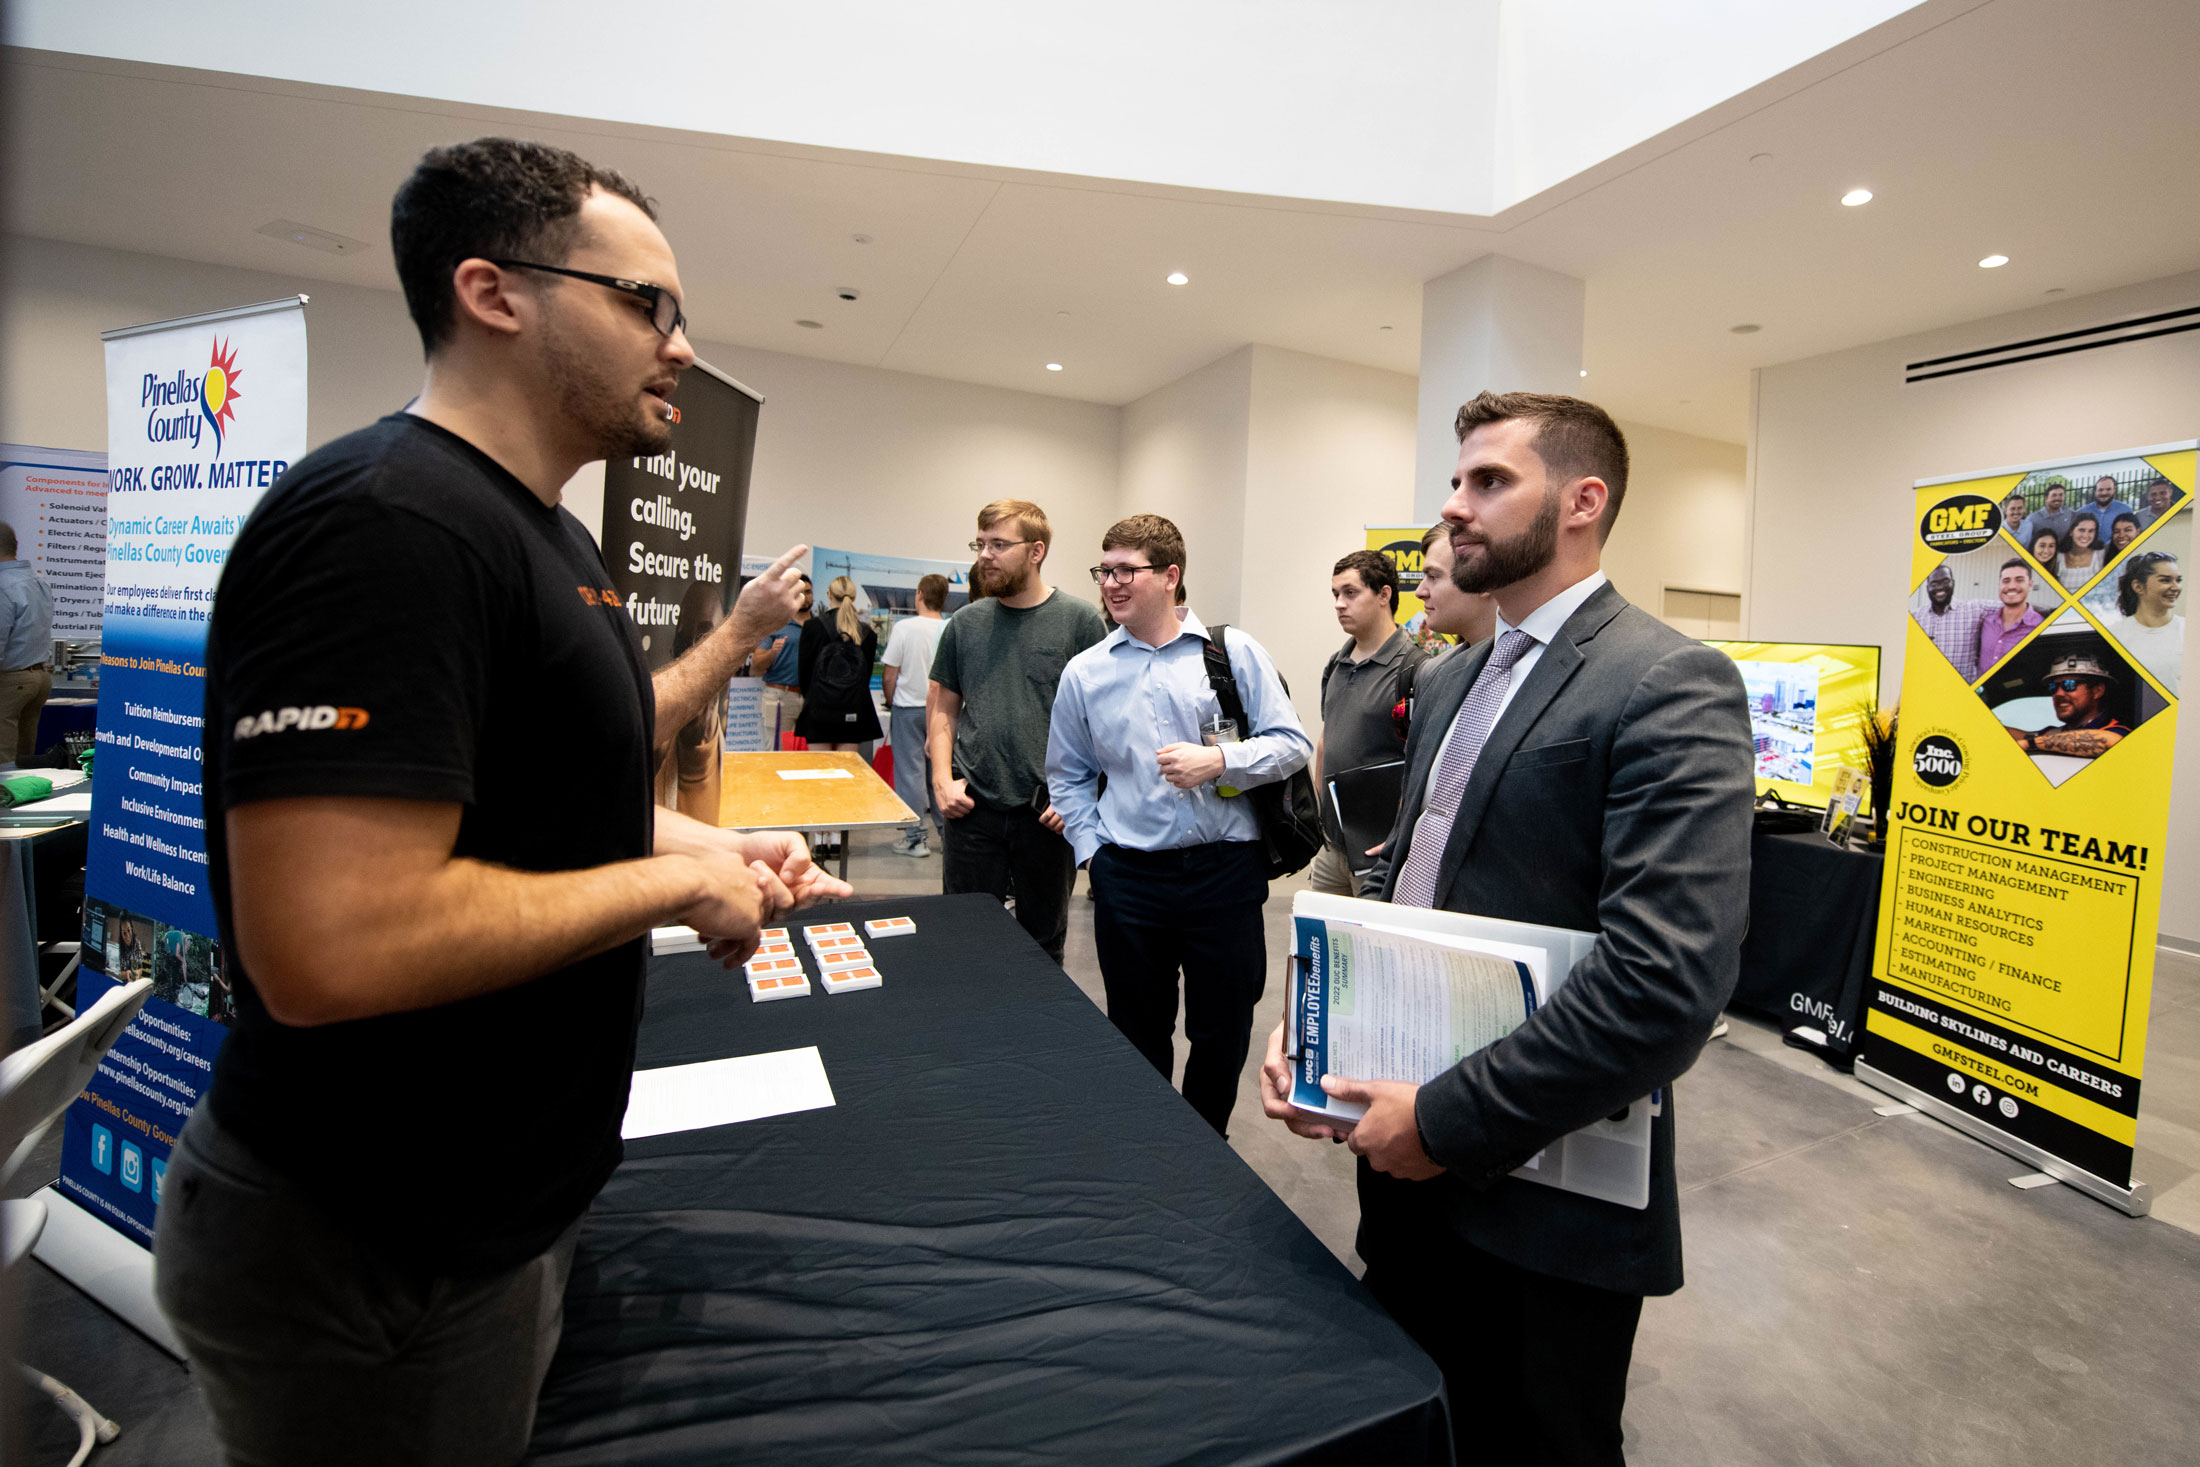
1361	687
433	851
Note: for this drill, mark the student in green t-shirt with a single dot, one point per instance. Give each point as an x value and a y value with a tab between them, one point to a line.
993	680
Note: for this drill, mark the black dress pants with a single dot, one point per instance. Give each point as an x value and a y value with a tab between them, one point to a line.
1006	853
1194	911
1536	1367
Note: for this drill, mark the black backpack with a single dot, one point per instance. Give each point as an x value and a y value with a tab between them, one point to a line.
839	676
1290	817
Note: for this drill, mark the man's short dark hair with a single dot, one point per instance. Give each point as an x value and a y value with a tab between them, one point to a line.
1575	440
2016	562
1434	533
7	541
1160	540
490	199
1376	571
932	591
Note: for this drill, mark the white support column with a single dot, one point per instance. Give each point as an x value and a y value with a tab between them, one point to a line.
1496	325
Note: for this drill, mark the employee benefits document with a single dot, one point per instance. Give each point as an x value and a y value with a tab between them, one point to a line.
1385	1004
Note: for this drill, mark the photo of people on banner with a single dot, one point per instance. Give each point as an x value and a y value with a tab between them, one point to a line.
2072	637
2022	890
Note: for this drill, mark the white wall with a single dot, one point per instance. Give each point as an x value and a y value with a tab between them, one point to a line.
1684	519
846	456
1840	439
1329	452
1184	457
862	459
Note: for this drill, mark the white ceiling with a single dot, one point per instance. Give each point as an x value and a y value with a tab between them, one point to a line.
2062	137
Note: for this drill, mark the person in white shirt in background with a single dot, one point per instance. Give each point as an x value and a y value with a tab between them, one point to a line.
907	675
2149	630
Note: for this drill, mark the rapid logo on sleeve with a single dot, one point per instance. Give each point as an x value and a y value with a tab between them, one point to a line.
2018	916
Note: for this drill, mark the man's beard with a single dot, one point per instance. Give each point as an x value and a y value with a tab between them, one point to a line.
604	412
1503	562
999	582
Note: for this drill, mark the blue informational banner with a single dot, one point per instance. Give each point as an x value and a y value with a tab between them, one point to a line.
115	1143
203	415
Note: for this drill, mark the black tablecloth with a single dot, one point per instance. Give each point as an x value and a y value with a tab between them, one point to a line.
1007	1242
1813	907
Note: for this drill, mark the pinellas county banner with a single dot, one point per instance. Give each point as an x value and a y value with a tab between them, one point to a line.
2018	919
203	415
672	526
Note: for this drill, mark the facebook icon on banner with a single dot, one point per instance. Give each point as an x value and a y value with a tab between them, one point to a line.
103	1150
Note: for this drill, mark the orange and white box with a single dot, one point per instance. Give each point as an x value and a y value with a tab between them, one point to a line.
814	935
772	950
848	980
775	967
889	927
842	961
769	989
773	934
824	945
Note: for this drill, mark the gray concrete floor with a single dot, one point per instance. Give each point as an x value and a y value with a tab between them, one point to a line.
1862	1289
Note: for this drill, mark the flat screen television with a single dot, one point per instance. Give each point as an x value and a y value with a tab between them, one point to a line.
1807	705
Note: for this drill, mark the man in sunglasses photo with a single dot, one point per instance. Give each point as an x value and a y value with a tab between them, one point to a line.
2079	686
437	933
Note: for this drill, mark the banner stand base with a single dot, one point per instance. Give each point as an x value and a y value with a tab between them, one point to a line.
116	1272
2137	1199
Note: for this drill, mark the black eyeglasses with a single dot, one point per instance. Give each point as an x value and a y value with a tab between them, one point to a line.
998	547
664	307
1119	575
2067	684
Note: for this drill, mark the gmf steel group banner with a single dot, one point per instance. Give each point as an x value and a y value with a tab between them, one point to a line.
1401	546
203	415
2018	918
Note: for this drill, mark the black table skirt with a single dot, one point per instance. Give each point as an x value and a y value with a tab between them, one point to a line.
1813	910
1008	1242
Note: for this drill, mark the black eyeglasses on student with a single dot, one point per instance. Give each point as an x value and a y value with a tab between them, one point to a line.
664	307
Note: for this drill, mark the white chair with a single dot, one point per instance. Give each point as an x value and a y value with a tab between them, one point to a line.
37	1082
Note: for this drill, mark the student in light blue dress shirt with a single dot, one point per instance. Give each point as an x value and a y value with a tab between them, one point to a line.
1175	860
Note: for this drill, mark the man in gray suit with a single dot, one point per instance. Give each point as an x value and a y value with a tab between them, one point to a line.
1587	767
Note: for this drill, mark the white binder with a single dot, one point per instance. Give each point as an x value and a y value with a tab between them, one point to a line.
1608	1159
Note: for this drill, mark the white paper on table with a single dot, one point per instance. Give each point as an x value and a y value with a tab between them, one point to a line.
76	802
720	1092
814	774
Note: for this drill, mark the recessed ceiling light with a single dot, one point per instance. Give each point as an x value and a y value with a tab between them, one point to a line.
323	240
1993	262
1054	366
1760	158
811	325
860	238
1747	328
1382	328
1857	196
2055	290
1178	277
1584	371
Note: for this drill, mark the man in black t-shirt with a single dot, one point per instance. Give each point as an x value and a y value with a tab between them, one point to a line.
433	853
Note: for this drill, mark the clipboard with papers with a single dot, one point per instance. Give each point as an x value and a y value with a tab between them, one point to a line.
1381	992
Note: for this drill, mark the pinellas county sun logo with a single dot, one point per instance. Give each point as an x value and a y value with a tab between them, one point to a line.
218	390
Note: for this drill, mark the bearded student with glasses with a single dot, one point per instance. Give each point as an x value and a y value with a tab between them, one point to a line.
993	680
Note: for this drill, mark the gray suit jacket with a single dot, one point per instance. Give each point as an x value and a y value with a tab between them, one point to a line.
1613	796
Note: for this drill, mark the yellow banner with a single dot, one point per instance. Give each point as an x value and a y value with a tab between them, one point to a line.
1401	546
2018	916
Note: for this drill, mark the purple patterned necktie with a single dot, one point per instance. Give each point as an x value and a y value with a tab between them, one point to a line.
1416	885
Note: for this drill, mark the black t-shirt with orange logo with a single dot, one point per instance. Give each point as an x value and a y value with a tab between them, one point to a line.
401	618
